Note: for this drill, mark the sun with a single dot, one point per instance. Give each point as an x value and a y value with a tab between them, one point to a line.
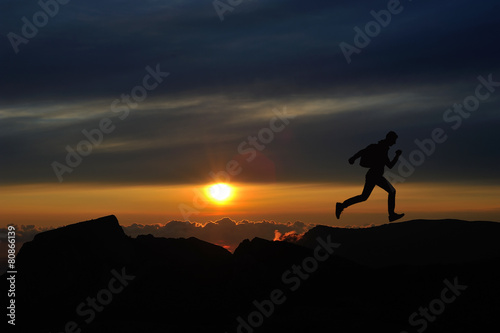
219	193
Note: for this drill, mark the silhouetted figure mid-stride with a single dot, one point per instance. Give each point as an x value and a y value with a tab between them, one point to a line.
375	158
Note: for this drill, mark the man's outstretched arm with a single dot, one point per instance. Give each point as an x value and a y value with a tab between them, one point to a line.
356	156
392	163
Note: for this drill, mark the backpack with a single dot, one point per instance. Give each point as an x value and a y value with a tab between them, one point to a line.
370	156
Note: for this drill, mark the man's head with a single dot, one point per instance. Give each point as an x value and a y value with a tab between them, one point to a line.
391	138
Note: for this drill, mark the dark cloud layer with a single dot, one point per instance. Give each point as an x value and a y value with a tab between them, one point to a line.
226	77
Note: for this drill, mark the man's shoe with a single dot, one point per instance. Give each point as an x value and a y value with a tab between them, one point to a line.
395	216
338	209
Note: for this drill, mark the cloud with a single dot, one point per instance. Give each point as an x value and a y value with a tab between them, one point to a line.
98	49
224	232
227	76
291	236
183	139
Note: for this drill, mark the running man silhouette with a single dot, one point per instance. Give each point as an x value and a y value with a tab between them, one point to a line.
375	157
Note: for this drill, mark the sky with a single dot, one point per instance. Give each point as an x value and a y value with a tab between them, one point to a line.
133	108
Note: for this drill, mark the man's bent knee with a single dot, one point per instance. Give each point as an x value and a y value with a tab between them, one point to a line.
363	197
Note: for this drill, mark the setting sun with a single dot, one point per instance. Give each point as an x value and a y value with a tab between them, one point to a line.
220	192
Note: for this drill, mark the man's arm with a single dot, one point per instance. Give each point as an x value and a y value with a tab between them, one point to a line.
392	163
356	156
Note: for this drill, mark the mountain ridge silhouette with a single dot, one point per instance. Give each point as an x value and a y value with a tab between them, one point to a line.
188	285
419	242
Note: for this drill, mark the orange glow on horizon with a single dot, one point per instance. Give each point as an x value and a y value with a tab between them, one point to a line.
61	204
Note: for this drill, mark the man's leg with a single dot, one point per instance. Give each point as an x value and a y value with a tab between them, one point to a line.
391	200
367	190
